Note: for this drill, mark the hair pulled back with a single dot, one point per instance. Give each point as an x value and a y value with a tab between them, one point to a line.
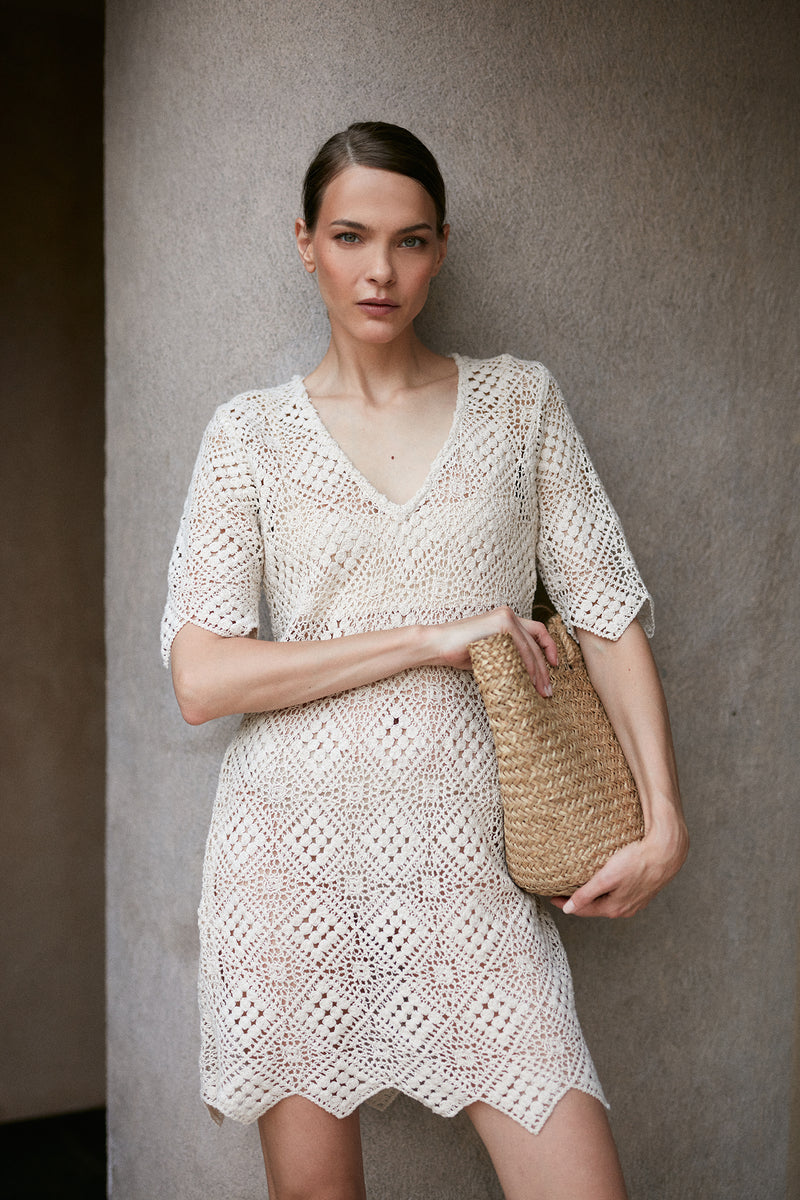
378	145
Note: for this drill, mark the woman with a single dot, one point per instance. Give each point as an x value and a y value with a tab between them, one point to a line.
360	933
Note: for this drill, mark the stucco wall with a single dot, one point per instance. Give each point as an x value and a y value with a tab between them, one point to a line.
623	182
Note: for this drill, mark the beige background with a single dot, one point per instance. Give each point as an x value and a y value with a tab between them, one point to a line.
623	182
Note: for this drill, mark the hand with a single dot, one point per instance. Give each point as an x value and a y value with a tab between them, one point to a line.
631	877
536	647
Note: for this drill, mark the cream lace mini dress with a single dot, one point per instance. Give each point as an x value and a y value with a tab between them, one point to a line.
360	935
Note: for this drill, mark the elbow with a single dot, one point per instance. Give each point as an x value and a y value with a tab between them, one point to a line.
194	714
193	699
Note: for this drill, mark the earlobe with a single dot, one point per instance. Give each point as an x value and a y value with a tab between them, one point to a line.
305	247
442	250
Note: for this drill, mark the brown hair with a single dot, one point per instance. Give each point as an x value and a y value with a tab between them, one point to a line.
381	146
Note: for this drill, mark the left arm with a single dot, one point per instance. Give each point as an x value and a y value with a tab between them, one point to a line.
625	677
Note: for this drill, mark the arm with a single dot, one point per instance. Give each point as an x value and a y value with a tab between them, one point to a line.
214	676
626	679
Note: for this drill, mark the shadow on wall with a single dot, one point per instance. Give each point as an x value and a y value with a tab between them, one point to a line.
52	726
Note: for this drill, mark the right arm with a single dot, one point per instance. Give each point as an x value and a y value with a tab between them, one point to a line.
215	676
215	581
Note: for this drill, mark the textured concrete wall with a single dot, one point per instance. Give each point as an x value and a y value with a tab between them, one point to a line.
52	730
623	183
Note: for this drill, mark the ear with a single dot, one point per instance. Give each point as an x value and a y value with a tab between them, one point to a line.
305	245
442	250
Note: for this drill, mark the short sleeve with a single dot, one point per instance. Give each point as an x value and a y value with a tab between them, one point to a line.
217	565
583	557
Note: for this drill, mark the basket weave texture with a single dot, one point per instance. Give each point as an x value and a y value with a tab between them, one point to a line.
569	799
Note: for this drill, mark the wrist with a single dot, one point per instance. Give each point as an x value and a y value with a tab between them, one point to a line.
425	643
668	831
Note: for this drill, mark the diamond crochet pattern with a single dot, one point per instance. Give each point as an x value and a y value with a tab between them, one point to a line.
360	935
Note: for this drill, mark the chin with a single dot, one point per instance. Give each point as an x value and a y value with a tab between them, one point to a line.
378	335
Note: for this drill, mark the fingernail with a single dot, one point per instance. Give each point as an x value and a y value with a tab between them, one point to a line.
569	907
548	690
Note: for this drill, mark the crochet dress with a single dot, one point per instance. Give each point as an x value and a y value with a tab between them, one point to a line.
359	933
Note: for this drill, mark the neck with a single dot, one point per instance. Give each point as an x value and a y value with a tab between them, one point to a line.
352	367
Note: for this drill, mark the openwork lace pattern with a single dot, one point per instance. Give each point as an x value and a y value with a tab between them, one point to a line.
359	933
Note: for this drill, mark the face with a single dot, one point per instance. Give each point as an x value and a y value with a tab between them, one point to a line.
374	250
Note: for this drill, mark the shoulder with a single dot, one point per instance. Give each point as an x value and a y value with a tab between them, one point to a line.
244	434
518	378
256	410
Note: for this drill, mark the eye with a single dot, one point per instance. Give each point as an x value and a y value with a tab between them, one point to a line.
348	237
412	241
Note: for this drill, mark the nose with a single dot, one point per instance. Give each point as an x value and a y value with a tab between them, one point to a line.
381	269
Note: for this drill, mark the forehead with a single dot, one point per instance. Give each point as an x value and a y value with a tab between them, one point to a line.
359	192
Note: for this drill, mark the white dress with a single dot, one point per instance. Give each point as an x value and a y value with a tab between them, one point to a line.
360	935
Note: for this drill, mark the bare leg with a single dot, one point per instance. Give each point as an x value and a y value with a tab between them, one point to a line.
573	1158
310	1155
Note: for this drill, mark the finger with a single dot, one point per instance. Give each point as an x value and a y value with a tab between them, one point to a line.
540	633
542	650
602	883
523	633
611	905
535	663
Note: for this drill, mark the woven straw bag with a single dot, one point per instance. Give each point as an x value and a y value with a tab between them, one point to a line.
569	799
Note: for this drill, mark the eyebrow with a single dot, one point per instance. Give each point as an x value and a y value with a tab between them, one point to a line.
364	228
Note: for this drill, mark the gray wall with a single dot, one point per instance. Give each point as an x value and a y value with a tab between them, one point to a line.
623	183
52	729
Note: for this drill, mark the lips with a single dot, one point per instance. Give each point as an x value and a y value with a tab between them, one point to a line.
376	306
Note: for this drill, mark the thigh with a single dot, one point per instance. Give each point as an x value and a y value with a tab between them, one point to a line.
572	1158
308	1153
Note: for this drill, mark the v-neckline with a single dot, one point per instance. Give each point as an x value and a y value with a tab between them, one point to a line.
378	497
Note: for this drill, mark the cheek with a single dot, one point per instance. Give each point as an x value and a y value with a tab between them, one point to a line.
432	262
421	277
337	270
